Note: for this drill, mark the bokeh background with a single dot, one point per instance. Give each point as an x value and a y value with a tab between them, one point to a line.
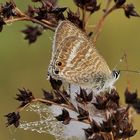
23	65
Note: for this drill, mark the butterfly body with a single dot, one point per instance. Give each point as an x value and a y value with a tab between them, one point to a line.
76	61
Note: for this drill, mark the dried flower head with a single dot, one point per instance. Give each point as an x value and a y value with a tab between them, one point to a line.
119	2
13	119
88	5
64	117
1	23
24	96
129	11
84	97
83	114
132	99
75	18
8	10
56	84
32	33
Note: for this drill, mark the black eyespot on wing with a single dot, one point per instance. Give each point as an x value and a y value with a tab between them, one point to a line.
58	63
56	71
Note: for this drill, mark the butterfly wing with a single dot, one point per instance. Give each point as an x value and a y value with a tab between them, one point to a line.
80	63
75	59
64	30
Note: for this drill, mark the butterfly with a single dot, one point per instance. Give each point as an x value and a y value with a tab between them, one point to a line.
75	60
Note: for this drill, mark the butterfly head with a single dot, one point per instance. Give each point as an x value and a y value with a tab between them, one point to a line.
114	76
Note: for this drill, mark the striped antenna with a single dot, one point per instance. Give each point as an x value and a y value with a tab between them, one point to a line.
132	71
120	61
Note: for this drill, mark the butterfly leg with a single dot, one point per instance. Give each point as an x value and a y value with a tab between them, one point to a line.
110	89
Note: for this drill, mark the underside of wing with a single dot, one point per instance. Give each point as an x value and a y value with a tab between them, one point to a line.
64	30
82	64
75	58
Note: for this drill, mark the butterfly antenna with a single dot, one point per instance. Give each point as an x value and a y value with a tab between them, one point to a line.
120	61
124	59
127	70
132	71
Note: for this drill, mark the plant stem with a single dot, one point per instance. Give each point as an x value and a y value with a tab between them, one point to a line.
100	23
45	101
26	18
84	17
112	136
23	16
53	103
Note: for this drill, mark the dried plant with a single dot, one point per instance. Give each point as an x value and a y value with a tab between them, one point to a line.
98	117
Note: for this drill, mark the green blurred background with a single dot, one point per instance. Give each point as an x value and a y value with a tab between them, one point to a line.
23	65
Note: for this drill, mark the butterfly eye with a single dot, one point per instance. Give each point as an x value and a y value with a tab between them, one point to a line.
58	63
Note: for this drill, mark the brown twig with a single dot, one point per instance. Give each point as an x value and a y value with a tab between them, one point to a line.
22	108
100	23
67	100
45	101
84	17
112	136
21	16
107	5
51	102
42	24
84	121
26	18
